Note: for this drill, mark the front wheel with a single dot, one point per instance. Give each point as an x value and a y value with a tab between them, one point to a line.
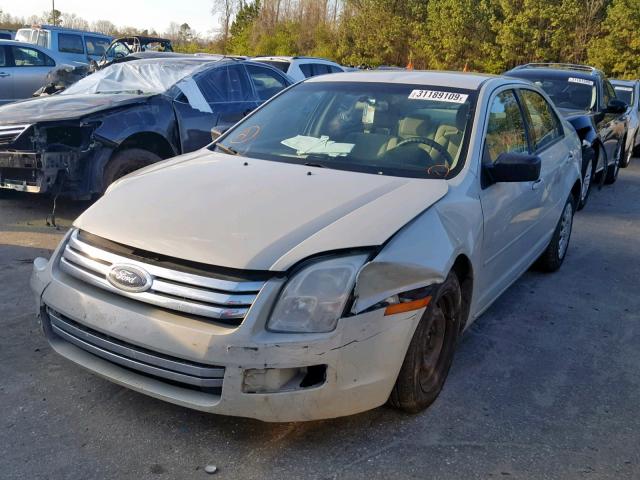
552	258
125	162
587	181
626	158
431	350
613	169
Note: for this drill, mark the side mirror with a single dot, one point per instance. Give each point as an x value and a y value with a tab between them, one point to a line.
616	106
218	131
514	167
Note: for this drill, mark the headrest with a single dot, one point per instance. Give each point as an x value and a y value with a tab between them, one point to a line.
413	127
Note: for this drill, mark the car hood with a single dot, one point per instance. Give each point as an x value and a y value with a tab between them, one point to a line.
62	107
250	214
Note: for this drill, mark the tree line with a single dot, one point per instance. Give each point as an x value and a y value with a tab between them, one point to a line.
476	35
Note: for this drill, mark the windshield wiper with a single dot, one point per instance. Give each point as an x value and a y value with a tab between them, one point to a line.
226	149
315	164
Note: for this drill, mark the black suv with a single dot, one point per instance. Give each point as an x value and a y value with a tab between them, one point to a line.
587	99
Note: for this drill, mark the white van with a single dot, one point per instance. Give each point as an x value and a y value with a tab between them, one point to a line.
73	45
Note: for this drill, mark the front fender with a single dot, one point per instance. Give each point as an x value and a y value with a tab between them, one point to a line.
422	253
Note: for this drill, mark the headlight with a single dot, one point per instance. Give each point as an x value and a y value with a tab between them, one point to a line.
314	299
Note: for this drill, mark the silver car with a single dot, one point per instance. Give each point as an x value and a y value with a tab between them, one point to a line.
324	255
24	69
629	92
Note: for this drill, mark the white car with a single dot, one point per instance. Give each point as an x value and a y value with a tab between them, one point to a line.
324	255
299	68
629	92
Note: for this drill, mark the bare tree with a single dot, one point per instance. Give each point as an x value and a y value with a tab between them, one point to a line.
226	9
71	20
104	26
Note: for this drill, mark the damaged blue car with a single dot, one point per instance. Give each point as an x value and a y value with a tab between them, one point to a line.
127	116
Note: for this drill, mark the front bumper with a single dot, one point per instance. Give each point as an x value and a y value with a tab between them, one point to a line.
33	172
256	369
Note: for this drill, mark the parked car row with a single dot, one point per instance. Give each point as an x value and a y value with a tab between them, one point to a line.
326	251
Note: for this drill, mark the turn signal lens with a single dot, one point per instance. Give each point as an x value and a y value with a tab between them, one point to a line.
407	306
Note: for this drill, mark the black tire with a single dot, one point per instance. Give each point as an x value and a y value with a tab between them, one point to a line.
589	160
613	169
430	353
625	159
555	253
125	162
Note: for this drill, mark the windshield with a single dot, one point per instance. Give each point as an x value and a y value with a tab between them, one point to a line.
624	93
570	93
388	129
136	77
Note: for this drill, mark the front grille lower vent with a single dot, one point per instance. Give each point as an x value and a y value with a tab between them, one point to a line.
204	296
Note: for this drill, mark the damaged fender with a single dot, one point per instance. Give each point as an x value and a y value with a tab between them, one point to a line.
433	241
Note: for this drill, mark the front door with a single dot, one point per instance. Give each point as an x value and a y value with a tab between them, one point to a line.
6	77
29	70
511	210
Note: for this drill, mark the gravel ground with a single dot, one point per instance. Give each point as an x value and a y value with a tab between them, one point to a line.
544	385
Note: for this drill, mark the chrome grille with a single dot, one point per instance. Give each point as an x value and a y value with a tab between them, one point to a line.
133	357
9	133
211	297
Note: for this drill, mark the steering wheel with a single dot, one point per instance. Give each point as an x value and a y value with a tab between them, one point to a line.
431	143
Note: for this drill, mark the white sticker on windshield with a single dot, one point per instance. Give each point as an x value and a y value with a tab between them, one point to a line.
583	81
438	96
624	89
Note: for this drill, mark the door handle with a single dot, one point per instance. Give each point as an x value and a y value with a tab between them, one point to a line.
4	74
537	184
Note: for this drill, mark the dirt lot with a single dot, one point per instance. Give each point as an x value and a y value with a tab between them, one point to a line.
545	385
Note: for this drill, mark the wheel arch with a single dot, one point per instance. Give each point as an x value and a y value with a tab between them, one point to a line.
151	141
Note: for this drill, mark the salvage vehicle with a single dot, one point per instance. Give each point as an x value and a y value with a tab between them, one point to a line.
587	99
629	92
299	68
25	68
124	117
72	44
321	262
124	46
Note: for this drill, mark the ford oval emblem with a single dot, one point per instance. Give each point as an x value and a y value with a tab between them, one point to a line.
129	278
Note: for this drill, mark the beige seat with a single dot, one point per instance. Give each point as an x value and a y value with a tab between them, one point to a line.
450	137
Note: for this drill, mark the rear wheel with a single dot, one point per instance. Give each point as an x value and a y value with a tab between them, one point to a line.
552	258
125	162
431	350
613	169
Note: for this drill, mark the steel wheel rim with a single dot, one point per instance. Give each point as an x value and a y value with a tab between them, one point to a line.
429	369
565	230
586	182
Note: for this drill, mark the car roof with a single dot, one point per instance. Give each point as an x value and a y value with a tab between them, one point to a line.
291	59
62	29
469	81
559	70
626	83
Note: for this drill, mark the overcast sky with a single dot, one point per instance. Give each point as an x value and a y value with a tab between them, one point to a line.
156	14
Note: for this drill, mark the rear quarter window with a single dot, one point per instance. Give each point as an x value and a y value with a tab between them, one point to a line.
96	45
70	43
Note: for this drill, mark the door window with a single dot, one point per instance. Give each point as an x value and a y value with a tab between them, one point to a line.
505	129
239	86
70	43
43	38
3	57
30	57
306	70
544	126
266	81
214	85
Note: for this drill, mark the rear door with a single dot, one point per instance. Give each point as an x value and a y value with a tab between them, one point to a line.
511	211
29	70
546	135
267	82
7	93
